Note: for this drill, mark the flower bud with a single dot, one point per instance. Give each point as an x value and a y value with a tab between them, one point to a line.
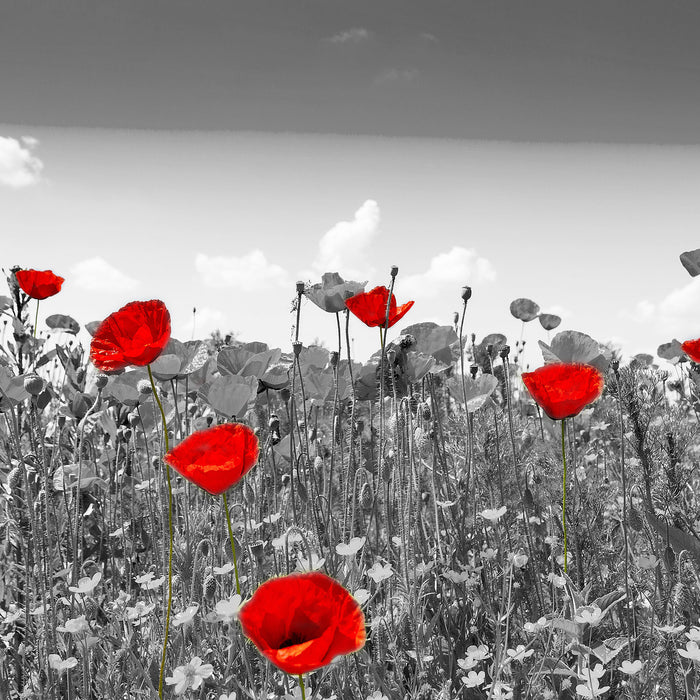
300	287
466	293
33	384
297	346
101	381
394	271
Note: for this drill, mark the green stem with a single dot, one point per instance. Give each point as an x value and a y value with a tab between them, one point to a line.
303	689
233	544
170	527
36	317
563	498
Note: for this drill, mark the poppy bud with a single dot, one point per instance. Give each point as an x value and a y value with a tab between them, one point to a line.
473	370
209	586
394	271
101	381
34	384
300	287
615	364
466	294
257	551
297	345
489	349
80	375
505	351
391	355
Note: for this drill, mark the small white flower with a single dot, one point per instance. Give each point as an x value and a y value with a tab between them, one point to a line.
467	663
86	584
631	668
231	696
480	653
671	629
378	572
694	634
519	560
533	627
361	595
351	548
227	610
377	695
190	675
590	614
691	651
474	679
141	609
182	618
558	581
519	653
314	565
144	578
77	625
225	569
58	664
493	515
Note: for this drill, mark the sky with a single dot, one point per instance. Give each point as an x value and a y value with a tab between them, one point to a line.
212	154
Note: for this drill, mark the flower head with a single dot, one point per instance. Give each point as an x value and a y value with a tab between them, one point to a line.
216	458
370	307
39	284
301	622
333	291
190	675
564	389
692	349
134	335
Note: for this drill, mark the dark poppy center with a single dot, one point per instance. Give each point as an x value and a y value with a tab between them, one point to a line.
294	639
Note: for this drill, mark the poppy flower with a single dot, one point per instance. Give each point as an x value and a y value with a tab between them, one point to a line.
216	458
370	307
333	291
39	284
692	349
134	335
301	622
563	389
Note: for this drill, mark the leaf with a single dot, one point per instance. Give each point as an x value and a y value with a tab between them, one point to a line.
670	351
524	309
12	389
573	346
276	377
196	356
257	365
314	356
555	667
366	384
122	387
318	385
549	321
609	649
229	395
61	322
691	262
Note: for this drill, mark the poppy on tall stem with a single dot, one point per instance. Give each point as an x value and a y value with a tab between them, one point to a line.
38	284
563	390
301	622
136	335
216	459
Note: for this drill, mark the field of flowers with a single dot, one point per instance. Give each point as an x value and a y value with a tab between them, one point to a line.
221	520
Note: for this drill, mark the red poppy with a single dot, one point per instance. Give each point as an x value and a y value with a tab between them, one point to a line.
39	284
216	458
692	349
370	307
563	389
134	335
301	622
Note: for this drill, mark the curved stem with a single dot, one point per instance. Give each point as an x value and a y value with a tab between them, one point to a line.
563	498
233	545
170	527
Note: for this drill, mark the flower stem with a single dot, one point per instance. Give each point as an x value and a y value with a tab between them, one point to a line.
301	685
233	545
563	497
36	317
170	527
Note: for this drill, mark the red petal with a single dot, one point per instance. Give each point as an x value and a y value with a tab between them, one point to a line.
39	284
692	349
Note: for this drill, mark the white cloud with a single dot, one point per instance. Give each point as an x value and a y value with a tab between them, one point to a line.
674	315
356	35
97	275
427	36
396	75
248	272
557	310
19	167
448	272
343	248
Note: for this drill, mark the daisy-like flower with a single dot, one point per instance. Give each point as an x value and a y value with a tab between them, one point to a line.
351	548
141	609
480	653
474	679
631	668
86	584
519	653
590	614
694	634
534	627
493	514
227	610
190	675
231	696
58	664
187	615
379	572
691	651
467	663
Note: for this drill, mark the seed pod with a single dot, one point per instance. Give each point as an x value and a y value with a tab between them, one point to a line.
101	381
33	384
209	586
